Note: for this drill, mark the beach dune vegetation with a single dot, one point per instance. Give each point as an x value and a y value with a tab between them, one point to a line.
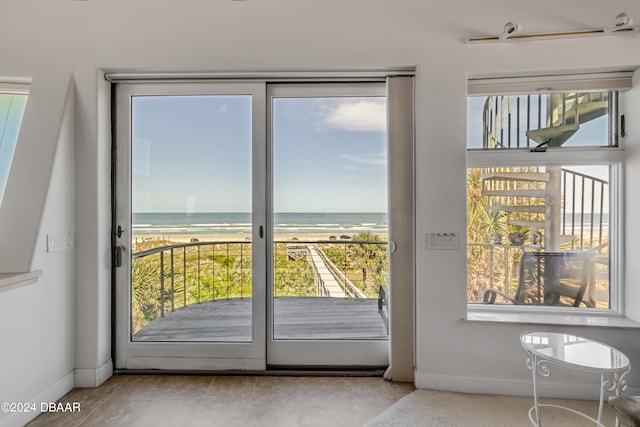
177	275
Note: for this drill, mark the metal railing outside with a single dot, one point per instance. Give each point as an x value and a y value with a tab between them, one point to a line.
590	228
508	118
172	276
583	213
350	290
497	266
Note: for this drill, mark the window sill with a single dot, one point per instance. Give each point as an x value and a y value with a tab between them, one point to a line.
10	281
549	316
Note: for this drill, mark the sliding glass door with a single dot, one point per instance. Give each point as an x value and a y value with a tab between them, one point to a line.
250	225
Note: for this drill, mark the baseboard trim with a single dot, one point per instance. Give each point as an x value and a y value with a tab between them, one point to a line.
93	377
50	394
497	386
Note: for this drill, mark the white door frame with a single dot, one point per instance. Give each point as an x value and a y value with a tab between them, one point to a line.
263	350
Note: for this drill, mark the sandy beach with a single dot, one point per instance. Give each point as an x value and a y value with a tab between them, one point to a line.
186	238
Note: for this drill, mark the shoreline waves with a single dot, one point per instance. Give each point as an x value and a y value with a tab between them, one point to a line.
212	226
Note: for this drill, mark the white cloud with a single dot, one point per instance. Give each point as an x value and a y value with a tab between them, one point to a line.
223	109
372	159
359	115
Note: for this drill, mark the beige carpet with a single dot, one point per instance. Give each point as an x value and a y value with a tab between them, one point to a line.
434	409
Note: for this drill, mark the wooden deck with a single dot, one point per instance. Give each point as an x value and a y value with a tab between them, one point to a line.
295	318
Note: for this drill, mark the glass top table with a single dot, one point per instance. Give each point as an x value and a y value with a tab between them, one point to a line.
578	353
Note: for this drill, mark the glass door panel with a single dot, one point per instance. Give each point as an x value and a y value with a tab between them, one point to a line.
191	250
215	210
191	218
329	225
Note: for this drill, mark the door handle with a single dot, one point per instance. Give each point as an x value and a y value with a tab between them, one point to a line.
119	232
117	255
261	232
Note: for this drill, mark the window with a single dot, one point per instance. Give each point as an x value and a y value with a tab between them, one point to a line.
13	99
541	191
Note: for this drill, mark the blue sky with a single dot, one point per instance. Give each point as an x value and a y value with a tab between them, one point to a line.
193	154
330	155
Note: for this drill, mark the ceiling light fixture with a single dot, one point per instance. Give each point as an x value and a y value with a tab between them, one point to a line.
621	24
510	29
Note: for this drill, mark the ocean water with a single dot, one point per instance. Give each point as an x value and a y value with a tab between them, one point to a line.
576	220
213	223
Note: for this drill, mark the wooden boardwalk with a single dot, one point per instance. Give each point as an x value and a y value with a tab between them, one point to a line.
329	282
295	318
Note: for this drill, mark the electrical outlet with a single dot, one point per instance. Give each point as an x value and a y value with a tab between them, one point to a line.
442	241
59	242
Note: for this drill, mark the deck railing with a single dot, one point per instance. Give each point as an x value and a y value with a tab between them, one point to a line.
583	209
583	216
494	266
175	275
497	266
172	276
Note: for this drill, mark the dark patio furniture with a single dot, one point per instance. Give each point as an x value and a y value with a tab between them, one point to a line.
549	278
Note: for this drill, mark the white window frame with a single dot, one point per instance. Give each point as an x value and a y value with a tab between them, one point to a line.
15	88
612	156
11	88
9	281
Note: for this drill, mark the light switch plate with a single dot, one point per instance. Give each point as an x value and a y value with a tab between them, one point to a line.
59	242
437	241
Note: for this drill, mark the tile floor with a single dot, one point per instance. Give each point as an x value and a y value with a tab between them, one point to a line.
158	400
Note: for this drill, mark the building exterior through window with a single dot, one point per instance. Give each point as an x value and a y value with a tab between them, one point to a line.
541	223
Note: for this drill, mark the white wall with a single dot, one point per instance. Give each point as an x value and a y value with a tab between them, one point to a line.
201	35
632	173
461	355
37	322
